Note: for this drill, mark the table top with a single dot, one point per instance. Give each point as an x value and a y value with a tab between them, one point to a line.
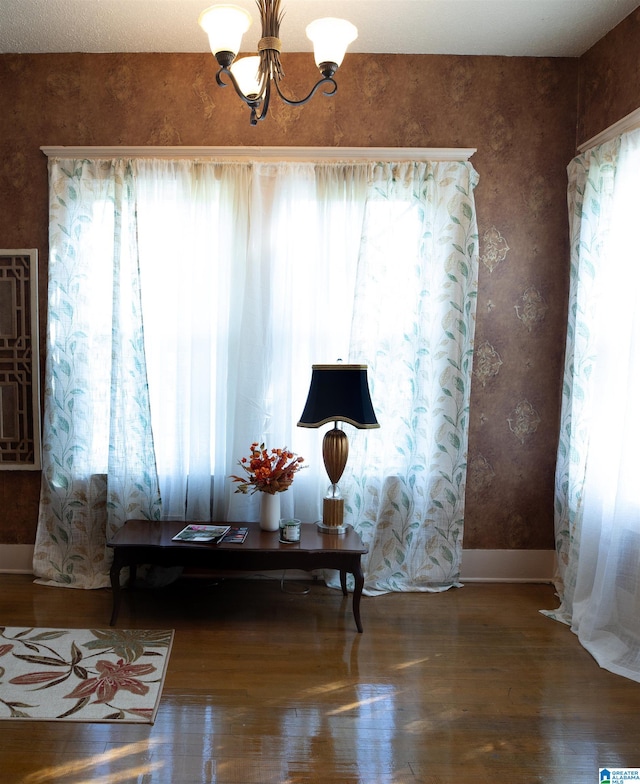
159	533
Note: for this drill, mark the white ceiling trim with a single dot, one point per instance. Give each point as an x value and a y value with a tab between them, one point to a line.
628	123
269	153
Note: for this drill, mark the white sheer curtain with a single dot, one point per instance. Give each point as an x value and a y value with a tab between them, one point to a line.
597	500
243	275
193	238
239	301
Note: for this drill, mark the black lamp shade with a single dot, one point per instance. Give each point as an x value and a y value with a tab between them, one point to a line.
339	392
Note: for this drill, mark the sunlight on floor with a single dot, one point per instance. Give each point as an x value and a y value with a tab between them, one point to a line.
358	704
406	665
89	764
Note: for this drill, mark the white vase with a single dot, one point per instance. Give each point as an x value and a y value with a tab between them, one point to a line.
270	511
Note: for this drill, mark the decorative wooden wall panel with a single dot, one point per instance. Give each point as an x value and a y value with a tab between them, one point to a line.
19	366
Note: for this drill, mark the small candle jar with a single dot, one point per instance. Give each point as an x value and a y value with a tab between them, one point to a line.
289	530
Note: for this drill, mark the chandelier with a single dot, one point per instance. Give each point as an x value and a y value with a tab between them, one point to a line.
253	76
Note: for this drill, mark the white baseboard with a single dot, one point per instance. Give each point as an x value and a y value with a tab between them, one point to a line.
509	566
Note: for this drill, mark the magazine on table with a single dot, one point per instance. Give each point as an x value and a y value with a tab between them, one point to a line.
201	533
236	534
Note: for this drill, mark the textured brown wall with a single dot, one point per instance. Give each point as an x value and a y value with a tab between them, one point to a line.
610	79
520	114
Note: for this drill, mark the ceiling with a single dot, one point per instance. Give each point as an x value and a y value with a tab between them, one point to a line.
537	28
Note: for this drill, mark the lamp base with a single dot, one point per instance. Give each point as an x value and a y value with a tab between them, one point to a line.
331	529
332	516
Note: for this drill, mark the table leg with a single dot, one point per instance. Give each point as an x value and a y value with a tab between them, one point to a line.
343	581
357	593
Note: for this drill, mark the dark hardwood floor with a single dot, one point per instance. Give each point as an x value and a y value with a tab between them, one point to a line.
470	686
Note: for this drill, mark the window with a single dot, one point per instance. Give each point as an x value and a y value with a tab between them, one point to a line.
223	283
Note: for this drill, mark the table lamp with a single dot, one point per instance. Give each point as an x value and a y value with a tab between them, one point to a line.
338	393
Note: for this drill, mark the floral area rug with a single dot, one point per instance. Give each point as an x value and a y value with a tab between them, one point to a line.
88	675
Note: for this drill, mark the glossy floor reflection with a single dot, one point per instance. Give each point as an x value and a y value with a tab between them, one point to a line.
467	687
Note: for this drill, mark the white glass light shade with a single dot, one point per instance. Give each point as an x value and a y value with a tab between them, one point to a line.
330	39
246	73
225	25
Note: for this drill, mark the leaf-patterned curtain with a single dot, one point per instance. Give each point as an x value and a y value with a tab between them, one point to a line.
413	324
591	179
98	455
597	511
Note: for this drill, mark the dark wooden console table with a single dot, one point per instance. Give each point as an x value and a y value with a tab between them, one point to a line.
150	542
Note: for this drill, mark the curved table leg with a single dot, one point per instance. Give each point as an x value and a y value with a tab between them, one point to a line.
357	593
343	581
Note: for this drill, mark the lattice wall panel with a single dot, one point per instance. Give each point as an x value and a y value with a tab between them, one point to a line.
19	366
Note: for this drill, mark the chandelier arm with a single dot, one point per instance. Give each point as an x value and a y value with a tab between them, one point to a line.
325	80
249	100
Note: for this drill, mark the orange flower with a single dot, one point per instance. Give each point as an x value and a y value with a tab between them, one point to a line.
269	472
